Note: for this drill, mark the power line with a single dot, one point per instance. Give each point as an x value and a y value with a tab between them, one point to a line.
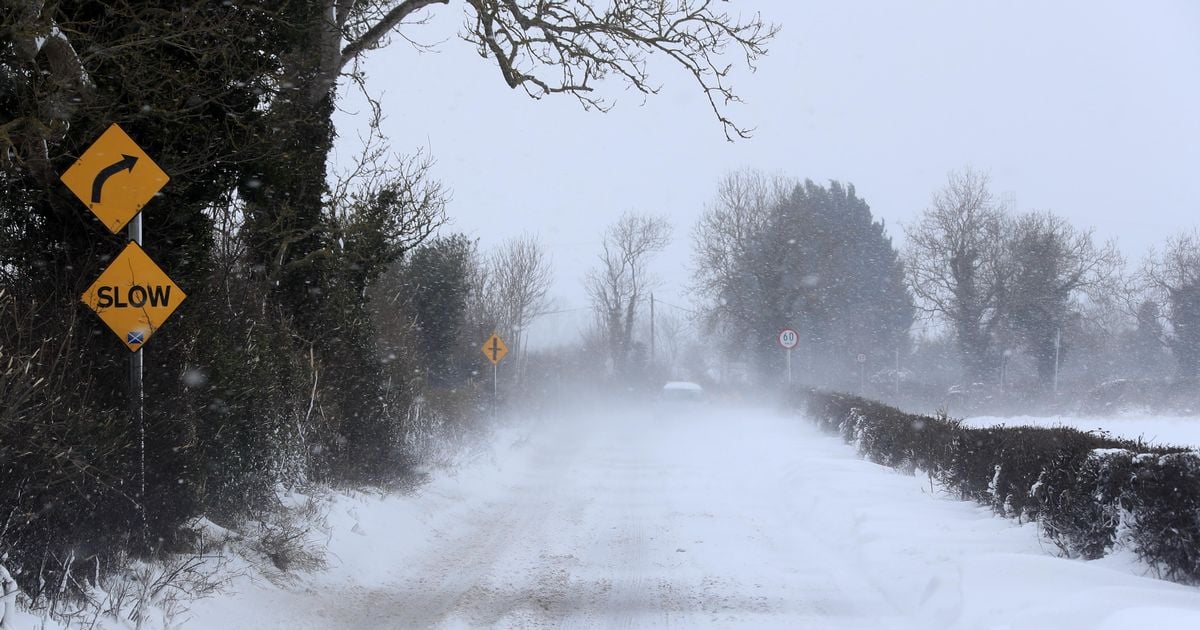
588	308
566	310
686	310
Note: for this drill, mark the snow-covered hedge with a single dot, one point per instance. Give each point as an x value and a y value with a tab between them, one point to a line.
1089	493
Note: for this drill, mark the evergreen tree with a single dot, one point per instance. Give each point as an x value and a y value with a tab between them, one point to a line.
435	289
1172	280
821	264
1147	352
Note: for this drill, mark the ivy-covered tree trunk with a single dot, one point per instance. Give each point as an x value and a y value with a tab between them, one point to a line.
293	247
286	233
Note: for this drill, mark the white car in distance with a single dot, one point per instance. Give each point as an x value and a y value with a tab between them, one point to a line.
681	392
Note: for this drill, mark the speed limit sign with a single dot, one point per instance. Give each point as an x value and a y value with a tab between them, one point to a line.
788	338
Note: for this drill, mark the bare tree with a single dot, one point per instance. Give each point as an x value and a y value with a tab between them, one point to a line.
483	309
725	234
620	284
521	277
956	266
383	206
1172	280
671	333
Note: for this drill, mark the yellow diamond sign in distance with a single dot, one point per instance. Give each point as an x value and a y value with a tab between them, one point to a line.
133	296
494	349
115	178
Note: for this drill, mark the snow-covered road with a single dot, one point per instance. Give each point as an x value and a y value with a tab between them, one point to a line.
717	518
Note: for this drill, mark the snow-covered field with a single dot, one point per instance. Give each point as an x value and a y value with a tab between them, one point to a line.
1160	430
720	518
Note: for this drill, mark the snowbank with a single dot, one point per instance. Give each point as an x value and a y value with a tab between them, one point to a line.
1154	430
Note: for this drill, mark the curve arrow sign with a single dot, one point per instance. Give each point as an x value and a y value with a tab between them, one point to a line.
125	164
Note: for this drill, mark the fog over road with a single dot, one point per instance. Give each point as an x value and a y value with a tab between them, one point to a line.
709	518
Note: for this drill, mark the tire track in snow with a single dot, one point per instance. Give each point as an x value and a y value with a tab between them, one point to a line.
465	579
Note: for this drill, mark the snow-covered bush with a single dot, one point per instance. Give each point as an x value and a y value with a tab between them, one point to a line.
8	598
1088	492
1079	508
1163	497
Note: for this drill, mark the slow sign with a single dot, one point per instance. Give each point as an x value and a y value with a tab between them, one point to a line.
133	297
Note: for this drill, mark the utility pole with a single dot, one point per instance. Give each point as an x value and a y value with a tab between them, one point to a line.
651	331
862	373
1057	344
897	371
1004	368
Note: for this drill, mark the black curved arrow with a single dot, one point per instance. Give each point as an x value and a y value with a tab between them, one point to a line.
126	164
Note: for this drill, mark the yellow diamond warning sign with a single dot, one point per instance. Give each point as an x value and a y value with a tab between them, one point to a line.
114	178
133	296
494	348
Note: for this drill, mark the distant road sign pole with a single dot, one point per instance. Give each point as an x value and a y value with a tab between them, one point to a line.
494	349
788	338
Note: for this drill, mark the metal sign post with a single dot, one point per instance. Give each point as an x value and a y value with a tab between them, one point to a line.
136	392
494	349
788	338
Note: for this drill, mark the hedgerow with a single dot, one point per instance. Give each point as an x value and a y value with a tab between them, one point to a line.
1089	493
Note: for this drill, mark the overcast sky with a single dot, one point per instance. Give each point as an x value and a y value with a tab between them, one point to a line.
1089	109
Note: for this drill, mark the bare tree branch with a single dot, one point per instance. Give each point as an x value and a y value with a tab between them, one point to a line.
565	46
380	29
